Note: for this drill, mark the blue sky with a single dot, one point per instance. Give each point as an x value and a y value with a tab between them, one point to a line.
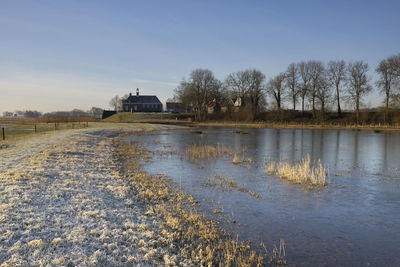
60	55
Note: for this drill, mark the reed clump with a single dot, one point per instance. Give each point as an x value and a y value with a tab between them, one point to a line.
236	159
302	172
196	152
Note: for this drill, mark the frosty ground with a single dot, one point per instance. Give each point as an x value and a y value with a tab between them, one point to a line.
62	202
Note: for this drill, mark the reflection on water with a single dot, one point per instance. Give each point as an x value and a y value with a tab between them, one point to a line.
355	220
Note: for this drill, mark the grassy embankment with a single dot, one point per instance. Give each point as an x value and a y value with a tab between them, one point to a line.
152	117
198	238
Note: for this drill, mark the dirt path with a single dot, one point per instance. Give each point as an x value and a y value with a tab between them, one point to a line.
62	203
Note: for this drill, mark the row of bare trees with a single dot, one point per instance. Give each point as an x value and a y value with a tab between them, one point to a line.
319	84
202	88
307	82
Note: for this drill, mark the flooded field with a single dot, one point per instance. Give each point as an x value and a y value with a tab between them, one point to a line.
353	220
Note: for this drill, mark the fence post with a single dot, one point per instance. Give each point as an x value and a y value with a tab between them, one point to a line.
55	126
4	133
35	129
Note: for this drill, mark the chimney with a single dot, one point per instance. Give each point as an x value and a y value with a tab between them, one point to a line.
130	94
137	91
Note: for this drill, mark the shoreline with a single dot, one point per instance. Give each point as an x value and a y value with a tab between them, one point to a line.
105	207
265	125
297	126
202	240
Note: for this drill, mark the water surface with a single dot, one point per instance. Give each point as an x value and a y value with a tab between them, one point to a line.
354	220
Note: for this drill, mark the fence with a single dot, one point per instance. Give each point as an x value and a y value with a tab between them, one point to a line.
12	130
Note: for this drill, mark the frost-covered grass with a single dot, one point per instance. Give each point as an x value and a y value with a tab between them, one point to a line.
63	203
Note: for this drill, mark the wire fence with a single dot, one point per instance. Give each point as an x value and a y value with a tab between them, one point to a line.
12	130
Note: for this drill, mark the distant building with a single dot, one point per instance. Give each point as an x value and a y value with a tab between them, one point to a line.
226	105
175	107
141	103
108	113
211	108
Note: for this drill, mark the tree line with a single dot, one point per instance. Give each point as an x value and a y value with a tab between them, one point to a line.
307	82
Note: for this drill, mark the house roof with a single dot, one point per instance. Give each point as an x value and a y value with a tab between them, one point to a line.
142	99
212	104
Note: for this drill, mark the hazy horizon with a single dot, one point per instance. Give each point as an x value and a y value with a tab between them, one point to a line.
62	55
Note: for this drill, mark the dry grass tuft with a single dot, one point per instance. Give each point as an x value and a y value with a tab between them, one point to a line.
229	183
36	243
301	173
206	152
236	159
56	241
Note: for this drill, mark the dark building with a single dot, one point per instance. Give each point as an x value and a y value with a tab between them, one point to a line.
175	107
108	113
141	103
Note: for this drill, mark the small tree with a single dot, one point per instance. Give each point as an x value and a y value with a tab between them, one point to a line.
358	84
96	112
116	103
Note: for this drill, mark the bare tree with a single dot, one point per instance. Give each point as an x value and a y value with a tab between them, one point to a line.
292	82
305	74
276	88
323	92
116	103
394	61
387	77
238	84
358	84
249	86
96	112
336	75
201	88
316	71
256	90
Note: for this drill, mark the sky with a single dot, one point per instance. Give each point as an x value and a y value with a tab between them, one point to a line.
61	55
